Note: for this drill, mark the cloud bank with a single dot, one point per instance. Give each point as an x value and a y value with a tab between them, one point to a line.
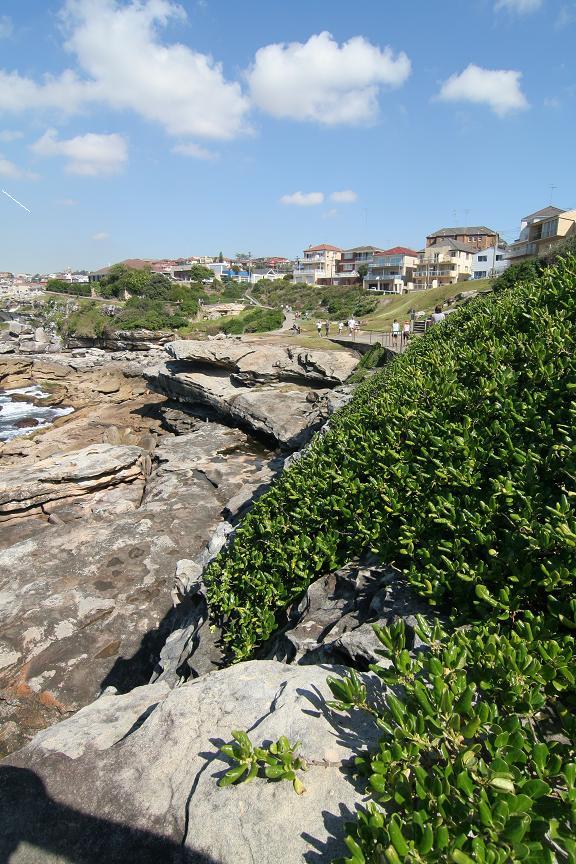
90	155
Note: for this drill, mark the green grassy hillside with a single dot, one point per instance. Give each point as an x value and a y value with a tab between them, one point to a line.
457	464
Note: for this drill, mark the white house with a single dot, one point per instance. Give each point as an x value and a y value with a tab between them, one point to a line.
490	262
319	262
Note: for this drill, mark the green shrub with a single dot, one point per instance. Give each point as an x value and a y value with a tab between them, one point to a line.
456	462
476	761
62	286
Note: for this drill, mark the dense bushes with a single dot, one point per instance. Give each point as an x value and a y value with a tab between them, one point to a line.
338	301
62	286
457	464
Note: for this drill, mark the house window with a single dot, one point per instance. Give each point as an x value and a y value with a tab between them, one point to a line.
482	258
480	274
499	257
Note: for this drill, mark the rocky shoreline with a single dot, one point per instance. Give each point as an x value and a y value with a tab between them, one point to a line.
114	690
116	508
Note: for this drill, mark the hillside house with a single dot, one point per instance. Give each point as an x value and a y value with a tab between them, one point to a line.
444	263
392	271
477	236
541	231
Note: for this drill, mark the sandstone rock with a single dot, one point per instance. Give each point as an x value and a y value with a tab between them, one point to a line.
87	604
26	491
40	335
7	347
134	777
333	621
279	412
258	363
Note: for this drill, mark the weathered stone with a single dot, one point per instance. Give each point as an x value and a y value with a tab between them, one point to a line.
26	490
134	777
258	363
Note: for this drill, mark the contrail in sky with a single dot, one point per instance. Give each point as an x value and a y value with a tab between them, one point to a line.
15	201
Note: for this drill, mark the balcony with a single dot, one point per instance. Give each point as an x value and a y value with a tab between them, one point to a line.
522	250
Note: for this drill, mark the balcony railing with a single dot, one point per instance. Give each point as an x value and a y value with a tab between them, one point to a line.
522	250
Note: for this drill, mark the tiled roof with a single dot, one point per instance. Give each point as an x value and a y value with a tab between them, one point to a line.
545	213
401	250
323	247
470	229
364	249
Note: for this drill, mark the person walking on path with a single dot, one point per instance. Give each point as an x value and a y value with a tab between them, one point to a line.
319	327
395	330
406	331
438	315
340	327
327	327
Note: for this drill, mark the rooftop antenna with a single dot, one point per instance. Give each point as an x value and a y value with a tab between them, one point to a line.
15	201
552	190
466	215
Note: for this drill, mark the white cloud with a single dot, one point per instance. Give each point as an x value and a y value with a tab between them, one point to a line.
322	81
67	202
6	27
194	150
303	199
330	214
497	88
346	196
10	135
9	169
100	236
91	155
520	7
125	65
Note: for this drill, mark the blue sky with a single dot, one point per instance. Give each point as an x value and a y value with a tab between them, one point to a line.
157	129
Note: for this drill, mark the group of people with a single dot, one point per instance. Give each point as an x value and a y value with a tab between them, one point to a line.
437	316
396	330
351	324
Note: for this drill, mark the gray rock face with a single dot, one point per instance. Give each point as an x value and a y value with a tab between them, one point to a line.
134	777
257	363
332	623
88	603
281	393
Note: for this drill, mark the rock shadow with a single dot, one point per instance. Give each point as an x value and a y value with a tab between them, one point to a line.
29	815
329	849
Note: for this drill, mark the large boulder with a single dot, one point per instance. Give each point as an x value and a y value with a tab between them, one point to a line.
259	363
134	777
279	412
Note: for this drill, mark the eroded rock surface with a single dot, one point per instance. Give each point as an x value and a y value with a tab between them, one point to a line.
134	777
281	393
64	482
254	363
88	604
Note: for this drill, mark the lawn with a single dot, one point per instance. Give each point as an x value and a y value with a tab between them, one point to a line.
423	301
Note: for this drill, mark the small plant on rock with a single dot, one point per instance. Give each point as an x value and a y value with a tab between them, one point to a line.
276	762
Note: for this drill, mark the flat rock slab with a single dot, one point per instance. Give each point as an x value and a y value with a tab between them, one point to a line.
282	412
28	490
253	363
88	604
134	777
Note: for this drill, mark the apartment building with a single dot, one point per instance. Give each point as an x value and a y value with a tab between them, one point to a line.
477	236
318	262
541	231
392	271
351	259
490	262
444	264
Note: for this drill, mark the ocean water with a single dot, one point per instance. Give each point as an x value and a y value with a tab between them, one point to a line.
11	412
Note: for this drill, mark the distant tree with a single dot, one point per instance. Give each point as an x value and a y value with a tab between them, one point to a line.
242	256
198	272
362	270
220	258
